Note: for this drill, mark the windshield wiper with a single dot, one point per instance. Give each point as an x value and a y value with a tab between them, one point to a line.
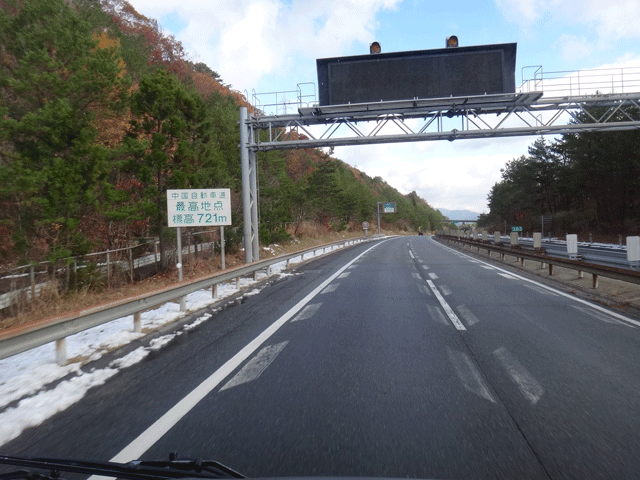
174	468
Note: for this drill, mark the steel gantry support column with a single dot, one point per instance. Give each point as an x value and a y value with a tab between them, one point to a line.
253	174
249	192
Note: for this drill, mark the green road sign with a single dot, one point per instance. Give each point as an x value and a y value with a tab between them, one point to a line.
389	207
516	229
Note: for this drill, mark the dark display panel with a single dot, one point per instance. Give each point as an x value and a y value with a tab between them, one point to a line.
461	71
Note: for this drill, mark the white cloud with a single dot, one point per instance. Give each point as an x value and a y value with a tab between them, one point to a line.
573	48
613	19
520	10
246	40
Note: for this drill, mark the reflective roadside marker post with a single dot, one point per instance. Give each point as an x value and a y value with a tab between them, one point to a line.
633	251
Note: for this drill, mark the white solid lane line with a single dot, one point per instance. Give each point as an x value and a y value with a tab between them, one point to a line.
469	375
254	367
445	306
527	384
151	435
539	290
600	316
307	312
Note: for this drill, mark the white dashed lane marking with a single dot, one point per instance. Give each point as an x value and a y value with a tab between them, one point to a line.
527	384
307	312
331	288
424	289
254	367
344	275
469	374
445	290
437	315
433	276
465	313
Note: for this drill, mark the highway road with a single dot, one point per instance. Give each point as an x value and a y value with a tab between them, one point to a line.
397	358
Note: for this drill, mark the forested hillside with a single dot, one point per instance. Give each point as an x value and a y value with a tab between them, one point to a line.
100	113
583	182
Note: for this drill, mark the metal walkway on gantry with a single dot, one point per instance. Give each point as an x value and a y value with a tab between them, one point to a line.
548	104
484	116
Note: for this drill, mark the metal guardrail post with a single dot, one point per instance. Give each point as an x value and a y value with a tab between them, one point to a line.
61	351
32	279
108	271
130	263
137	322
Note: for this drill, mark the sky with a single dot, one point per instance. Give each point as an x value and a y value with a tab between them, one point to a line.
267	46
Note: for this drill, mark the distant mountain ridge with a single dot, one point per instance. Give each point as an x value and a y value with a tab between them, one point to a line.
459	214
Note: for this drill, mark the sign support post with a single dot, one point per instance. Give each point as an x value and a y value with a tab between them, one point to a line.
201	207
183	305
222	245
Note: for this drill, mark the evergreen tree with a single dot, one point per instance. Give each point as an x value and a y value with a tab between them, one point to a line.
53	79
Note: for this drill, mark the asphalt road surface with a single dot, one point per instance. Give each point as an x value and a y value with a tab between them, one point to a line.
399	358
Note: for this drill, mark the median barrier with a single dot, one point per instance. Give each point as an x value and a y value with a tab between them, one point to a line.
631	276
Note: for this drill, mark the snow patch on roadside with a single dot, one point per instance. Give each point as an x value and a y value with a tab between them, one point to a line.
24	377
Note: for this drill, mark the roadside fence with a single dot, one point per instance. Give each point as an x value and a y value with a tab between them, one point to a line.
20	286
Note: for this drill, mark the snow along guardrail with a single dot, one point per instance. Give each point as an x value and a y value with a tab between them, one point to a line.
25	337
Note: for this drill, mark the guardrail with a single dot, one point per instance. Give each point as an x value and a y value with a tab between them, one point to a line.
25	337
580	266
